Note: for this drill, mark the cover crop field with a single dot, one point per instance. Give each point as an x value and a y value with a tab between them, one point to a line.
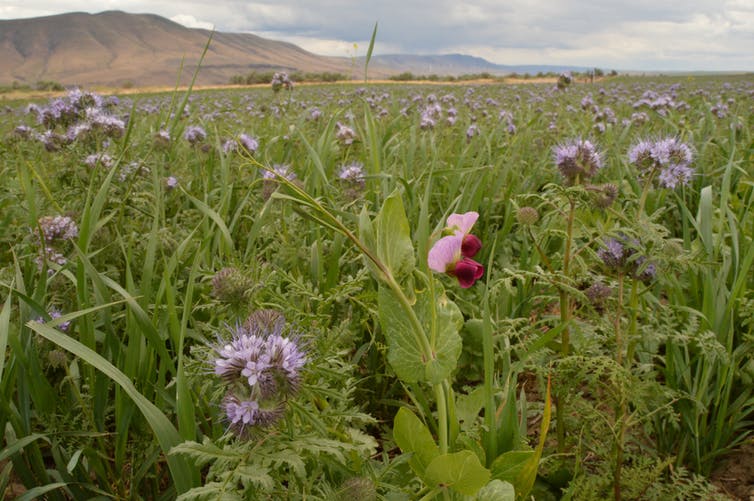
489	292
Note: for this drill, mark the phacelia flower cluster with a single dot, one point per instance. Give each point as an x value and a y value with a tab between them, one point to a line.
261	367
79	115
280	81
453	253
194	134
669	159
58	228
621	256
346	135
53	232
577	161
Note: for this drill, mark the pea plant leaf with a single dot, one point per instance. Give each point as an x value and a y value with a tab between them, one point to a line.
413	437
459	471
405	353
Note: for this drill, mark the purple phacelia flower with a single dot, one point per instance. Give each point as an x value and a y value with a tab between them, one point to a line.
54	314
621	256
57	228
353	172
280	170
281	80
95	159
229	146
194	134
668	158
344	134
250	144
472	131
261	367
578	160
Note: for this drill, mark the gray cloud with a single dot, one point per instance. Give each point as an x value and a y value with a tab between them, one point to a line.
640	34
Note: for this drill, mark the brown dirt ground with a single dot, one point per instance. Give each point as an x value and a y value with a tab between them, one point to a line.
735	475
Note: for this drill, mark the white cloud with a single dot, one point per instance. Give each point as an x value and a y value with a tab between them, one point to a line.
190	21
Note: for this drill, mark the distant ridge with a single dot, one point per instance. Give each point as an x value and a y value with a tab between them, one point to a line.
460	64
115	48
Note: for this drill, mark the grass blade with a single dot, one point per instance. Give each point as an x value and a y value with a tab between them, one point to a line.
166	434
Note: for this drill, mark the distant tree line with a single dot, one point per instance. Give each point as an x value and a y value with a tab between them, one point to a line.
39	85
265	77
407	76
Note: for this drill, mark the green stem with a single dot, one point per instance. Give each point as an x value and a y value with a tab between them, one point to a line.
616	323
645	191
442	417
632	322
565	317
490	422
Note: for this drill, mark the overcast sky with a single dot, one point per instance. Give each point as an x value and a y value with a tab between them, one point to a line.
625	35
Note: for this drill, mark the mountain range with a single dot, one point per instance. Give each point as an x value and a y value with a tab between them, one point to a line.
115	48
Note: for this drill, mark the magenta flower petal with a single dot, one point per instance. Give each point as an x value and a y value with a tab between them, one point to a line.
467	271
471	245
462	223
445	253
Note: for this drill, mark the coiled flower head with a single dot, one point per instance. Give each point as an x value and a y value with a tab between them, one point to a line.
577	161
261	368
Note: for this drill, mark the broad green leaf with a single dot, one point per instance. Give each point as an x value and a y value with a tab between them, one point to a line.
460	471
405	352
469	405
393	237
496	490
509	466
412	436
445	340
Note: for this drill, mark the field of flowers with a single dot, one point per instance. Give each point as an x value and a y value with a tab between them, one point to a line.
489	292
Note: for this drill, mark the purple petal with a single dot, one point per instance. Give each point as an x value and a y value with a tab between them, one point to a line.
462	223
445	253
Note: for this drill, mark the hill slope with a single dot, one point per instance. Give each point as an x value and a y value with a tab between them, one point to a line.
115	47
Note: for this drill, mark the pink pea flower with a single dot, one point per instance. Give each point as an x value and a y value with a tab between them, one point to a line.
460	224
446	256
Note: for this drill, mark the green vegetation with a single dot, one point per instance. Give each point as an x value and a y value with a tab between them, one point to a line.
249	294
265	77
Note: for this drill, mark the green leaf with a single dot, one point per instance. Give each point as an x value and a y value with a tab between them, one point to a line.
405	354
4	330
369	51
412	436
446	341
366	234
705	218
393	237
36	492
164	431
509	466
496	490
469	405
461	471
529	471
20	444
